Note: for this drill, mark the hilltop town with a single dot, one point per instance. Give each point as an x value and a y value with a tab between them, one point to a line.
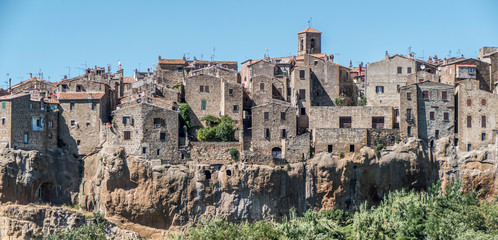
285	107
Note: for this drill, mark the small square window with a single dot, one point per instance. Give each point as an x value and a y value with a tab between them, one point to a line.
283	133
400	70
162	136
409	96
203	104
483	136
206	88
127	135
425	95
144	150
351	148
158	151
282	116
267	116
469	147
408	70
302	94
379	89
432	115
73	123
235	108
261	86
301	74
230	92
94	106
303	111
267	133
444	95
201	88
78	142
330	148
469	102
446	116
483	102
71	106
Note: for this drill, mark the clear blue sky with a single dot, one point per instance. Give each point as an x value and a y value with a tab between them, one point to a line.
53	35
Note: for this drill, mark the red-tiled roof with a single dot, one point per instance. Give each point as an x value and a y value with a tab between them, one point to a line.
34	79
310	30
129	80
214	62
80	95
8	97
172	61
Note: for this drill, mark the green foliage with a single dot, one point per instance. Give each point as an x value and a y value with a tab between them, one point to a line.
177	85
435	214
234	154
341	154
338	101
211	120
207	133
363	101
220	129
397	139
94	230
185	116
378	148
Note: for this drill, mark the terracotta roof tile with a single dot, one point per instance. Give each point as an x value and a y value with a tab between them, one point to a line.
171	61
8	97
310	30
79	95
129	80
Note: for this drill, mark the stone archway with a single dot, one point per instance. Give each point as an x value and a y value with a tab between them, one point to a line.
276	152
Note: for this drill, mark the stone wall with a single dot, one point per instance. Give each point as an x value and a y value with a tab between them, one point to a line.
213	152
345	140
194	97
361	116
231	101
296	148
384	136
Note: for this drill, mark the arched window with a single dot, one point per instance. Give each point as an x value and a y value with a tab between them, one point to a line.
276	152
302	44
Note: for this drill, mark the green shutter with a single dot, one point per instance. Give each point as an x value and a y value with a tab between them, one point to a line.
203	104
3	105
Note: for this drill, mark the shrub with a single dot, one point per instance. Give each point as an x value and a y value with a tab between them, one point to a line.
211	120
363	101
185	116
207	133
378	148
94	230
234	154
338	101
225	131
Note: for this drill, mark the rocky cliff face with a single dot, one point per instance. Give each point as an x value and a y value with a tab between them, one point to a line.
133	192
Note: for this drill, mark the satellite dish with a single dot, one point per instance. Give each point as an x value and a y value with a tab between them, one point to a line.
422	67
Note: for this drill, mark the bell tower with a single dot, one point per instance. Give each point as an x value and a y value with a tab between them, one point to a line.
309	41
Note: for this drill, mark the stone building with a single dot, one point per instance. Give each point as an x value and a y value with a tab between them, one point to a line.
265	88
490	56
175	70
351	117
82	115
454	71
272	123
385	78
209	95
82	85
97	74
217	71
148	127
427	111
476	115
36	87
309	41
28	124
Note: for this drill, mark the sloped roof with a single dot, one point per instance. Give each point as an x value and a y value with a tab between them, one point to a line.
79	95
310	30
129	80
9	97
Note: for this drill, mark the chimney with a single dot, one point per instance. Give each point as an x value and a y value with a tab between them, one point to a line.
148	70
65	76
109	69
159	57
30	75
412	54
350	64
387	55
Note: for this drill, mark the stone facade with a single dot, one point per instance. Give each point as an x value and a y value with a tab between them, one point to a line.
81	118
213	152
453	72
476	115
209	95
427	111
309	41
265	88
272	123
217	71
336	140
36	87
351	117
148	128
27	124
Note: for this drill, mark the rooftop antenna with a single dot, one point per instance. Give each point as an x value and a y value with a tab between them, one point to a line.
267	53
39	73
449	54
212	57
409	49
84	64
458	53
139	64
310	22
69	74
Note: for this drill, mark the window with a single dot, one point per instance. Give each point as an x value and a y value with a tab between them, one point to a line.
431	115
378	122
351	148
469	121
158	151
301	74
230	92
483	121
180	69
267	133
289	91
73	123
157	122
49	136
25	138
235	108
126	120
397	88
201	88
38	122
345	122
472	70
397	112
446	116
379	89
409	131
162	136
267	116
409	95
469	102
3	105
283	133
127	135
148	86
79	88
483	102
71	106
3	121
408	113
94	106
206	89
31	106
444	95
261	86
203	104
483	136
144	150
400	70
469	147
437	134
303	111
315	62
282	116
408	70
425	94
302	94
330	148
78	142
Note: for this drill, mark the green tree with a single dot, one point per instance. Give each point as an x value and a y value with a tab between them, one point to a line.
225	130
185	116
338	101
363	101
211	120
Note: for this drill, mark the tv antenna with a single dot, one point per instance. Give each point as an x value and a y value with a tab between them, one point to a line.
212	56
409	49
310	22
69	74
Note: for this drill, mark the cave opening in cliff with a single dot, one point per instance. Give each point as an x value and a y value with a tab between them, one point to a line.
46	192
229	172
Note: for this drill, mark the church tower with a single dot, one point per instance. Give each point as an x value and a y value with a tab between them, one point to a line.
309	41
